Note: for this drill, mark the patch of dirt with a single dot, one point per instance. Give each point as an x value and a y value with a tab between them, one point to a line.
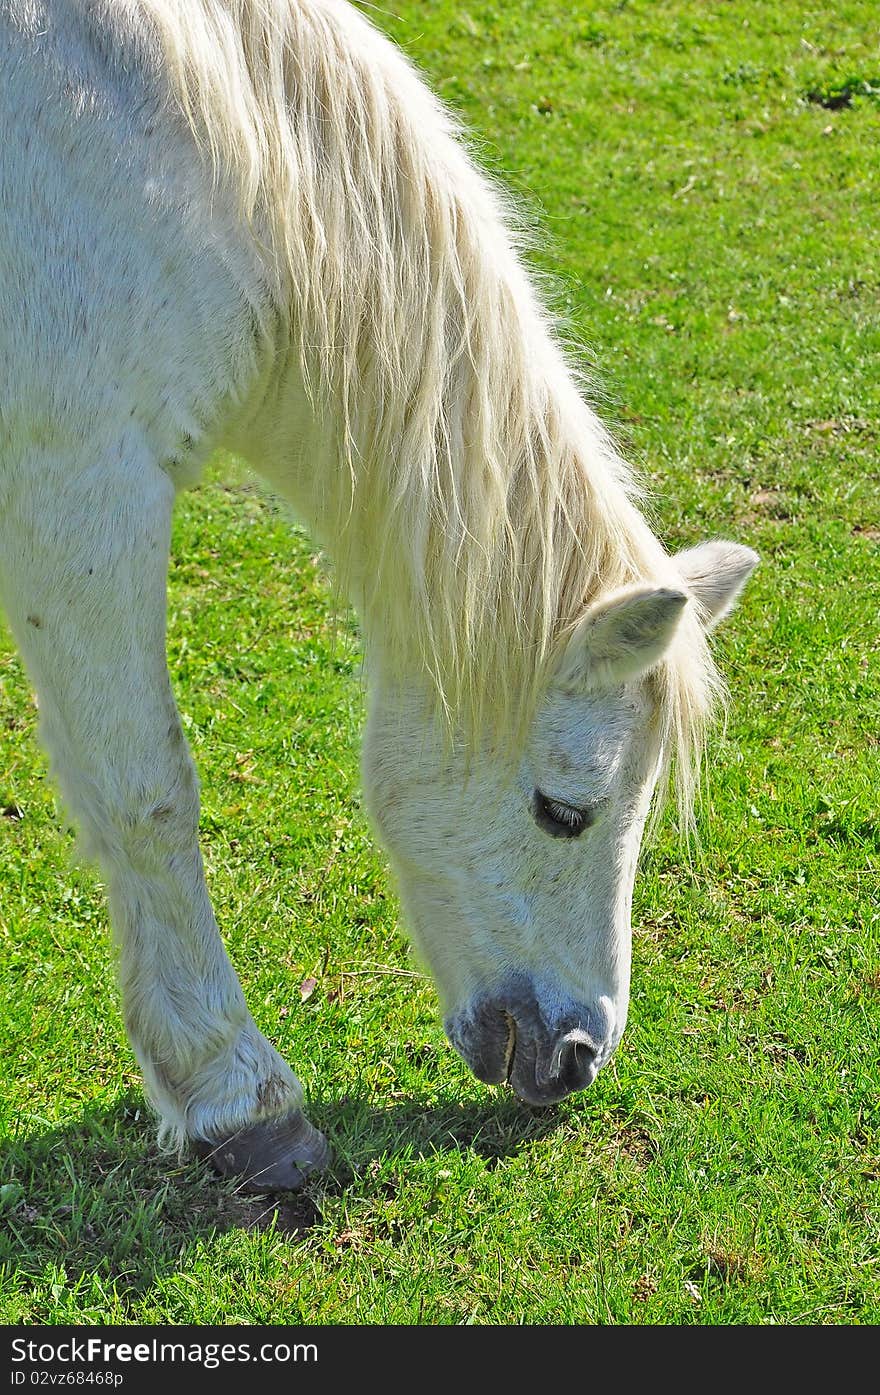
293	1215
730	1267
297	1215
638	1145
778	1049
771	503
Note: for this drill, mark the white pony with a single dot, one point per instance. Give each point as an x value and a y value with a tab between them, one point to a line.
246	223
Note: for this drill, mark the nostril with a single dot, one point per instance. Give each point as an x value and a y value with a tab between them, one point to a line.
573	1062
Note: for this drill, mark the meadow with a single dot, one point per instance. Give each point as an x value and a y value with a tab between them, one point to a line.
702	185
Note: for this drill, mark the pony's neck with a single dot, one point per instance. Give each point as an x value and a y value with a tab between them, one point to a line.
436	440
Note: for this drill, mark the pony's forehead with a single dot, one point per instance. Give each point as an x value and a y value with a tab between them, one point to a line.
618	708
570	730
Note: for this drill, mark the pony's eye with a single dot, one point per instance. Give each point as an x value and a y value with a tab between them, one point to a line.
560	819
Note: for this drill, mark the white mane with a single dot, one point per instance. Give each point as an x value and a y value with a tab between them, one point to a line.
483	505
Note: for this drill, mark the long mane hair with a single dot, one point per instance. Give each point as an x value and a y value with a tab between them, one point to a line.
480	503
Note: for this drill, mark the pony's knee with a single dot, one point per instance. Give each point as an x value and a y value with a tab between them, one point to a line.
147	828
138	822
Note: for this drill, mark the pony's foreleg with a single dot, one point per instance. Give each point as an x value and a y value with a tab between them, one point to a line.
83	561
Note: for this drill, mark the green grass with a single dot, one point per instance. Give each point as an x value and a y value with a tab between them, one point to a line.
705	182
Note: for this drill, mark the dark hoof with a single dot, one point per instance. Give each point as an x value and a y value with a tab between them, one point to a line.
273	1156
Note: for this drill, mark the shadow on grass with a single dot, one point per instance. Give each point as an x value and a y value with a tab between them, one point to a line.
97	1196
493	1129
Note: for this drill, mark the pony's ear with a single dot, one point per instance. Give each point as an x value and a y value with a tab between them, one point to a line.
715	573
619	637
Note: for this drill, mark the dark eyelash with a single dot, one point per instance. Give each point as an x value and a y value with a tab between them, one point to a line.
564	813
559	819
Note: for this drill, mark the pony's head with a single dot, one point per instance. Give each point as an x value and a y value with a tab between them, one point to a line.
518	886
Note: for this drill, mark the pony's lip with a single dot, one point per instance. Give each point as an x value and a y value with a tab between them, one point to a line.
482	1043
